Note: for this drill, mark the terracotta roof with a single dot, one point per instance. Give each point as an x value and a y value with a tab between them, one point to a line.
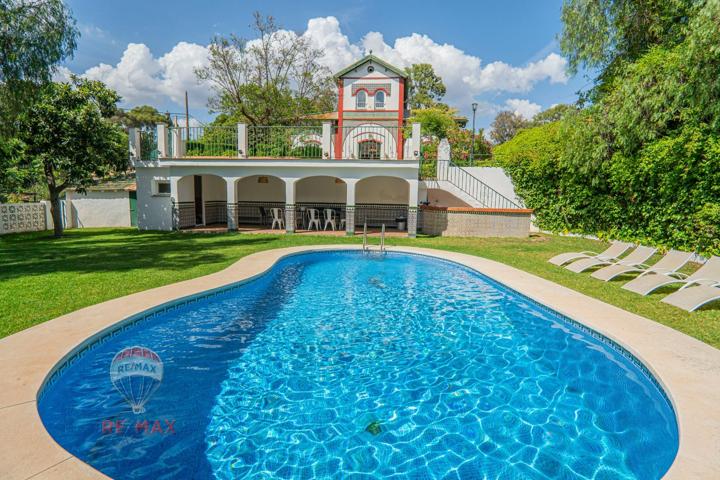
323	116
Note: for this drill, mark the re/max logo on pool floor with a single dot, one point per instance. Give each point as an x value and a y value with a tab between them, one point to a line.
147	427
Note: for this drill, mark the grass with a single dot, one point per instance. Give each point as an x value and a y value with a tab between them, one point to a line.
42	278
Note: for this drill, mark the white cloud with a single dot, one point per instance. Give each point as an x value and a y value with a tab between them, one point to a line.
61	74
139	77
524	108
464	75
142	78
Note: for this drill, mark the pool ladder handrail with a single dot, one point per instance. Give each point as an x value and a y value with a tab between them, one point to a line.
382	239
365	241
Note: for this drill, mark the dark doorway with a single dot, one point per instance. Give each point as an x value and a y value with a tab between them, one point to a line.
133	208
198	200
369	150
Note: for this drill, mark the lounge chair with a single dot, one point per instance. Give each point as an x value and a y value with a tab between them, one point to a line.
634	258
708	274
692	296
614	250
672	261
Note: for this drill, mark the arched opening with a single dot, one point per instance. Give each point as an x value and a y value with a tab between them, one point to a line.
320	193
382	200
256	196
202	201
370	141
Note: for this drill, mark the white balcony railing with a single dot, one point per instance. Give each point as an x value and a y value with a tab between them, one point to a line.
358	142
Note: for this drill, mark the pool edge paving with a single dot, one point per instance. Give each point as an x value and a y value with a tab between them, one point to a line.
687	369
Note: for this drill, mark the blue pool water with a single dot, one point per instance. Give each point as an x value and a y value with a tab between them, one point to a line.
347	365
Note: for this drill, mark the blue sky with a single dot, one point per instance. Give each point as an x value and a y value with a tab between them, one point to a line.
503	55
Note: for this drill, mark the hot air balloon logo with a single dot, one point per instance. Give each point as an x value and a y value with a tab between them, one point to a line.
136	372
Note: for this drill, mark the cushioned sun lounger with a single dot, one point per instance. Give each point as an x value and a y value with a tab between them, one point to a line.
693	297
708	274
636	257
672	261
614	250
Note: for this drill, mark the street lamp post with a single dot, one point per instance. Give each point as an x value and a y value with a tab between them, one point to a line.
472	143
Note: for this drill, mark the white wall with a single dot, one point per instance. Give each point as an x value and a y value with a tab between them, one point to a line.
497	179
392	101
320	189
441	198
99	209
382	190
213	188
154	211
249	190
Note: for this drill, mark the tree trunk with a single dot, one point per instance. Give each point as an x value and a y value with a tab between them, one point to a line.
56	213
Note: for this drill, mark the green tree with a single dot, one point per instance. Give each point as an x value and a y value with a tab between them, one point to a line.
68	137
141	116
275	79
35	35
434	122
604	35
506	125
425	88
553	114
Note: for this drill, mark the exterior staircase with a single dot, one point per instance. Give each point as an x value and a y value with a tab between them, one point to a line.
468	188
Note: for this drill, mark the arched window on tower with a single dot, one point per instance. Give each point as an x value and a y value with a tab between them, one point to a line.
361	100
379	99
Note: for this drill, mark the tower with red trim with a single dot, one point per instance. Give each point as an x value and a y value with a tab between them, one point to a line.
371	111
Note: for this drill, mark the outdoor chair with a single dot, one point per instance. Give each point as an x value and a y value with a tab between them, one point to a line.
708	274
672	261
637	257
614	250
329	214
314	218
277	219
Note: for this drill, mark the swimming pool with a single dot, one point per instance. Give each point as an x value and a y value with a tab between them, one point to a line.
341	364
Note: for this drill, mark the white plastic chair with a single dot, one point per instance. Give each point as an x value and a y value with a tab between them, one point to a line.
277	219
314	217
329	218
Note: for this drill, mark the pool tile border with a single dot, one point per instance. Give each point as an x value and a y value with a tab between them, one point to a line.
686	370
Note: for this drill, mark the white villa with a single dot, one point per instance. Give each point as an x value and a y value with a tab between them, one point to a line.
360	166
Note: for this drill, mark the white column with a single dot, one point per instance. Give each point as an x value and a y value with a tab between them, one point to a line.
415	141
178	150
232	212
443	159
412	219
350	206
290	204
174	193
134	139
162	140
326	140
242	140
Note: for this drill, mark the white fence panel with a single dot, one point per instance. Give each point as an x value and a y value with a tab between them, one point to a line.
23	217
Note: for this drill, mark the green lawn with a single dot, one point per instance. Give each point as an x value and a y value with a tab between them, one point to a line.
42	278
